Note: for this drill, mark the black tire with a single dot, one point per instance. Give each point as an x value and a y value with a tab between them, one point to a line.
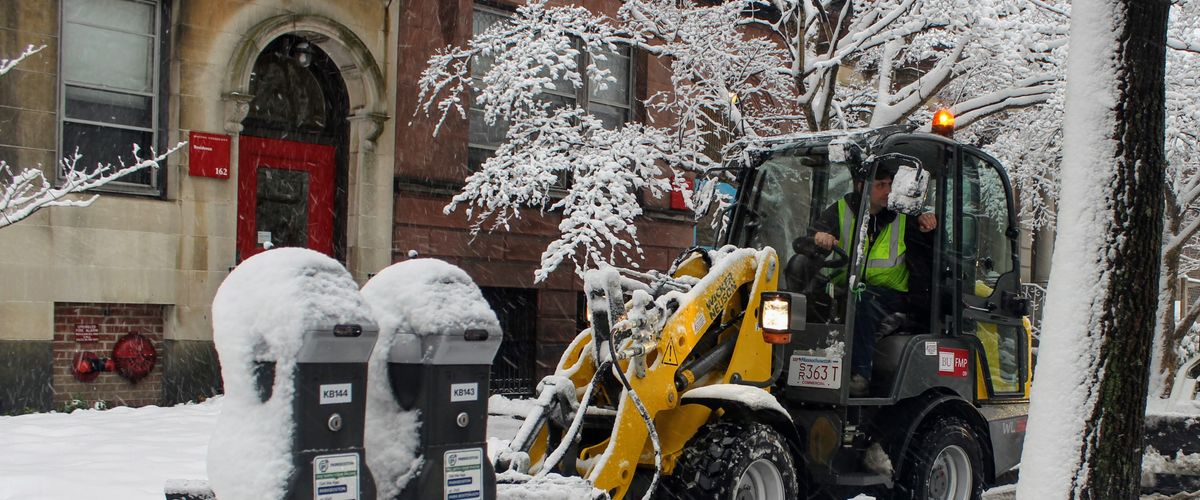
726	458
939	452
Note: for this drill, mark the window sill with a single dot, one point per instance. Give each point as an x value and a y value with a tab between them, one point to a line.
125	189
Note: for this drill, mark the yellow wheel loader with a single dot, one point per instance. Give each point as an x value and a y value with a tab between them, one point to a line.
729	375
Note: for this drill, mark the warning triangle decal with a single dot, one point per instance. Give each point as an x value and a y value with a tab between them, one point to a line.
671	357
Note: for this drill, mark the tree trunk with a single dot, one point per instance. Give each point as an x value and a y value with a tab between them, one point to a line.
1085	438
1112	452
1164	360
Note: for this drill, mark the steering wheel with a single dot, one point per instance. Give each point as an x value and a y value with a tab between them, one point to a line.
806	245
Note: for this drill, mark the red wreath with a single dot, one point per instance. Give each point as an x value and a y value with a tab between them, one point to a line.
134	355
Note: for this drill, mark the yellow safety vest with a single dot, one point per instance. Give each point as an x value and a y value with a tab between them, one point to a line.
885	259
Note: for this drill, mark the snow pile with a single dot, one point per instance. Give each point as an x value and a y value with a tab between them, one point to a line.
412	299
1176	407
512	485
517	408
1154	463
260	314
877	460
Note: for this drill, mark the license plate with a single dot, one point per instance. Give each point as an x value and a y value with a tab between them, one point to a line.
815	371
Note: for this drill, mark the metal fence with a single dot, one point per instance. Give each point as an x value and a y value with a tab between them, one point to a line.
514	369
1036	293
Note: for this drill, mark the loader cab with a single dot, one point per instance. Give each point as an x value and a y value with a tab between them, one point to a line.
963	330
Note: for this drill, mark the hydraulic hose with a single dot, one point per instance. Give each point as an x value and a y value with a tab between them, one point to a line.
776	370
641	408
569	437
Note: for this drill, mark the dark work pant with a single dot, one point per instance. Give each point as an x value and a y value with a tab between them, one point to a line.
874	304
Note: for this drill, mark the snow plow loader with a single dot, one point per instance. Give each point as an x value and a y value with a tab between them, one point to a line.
729	375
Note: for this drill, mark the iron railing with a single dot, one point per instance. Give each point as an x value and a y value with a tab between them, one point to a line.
1036	293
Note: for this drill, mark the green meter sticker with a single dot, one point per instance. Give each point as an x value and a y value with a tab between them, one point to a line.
335	477
463	474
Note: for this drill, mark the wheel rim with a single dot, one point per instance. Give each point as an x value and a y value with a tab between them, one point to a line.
761	480
950	477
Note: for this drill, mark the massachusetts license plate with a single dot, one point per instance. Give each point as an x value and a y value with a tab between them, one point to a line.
815	371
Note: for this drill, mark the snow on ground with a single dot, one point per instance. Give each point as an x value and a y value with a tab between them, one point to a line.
122	453
129	453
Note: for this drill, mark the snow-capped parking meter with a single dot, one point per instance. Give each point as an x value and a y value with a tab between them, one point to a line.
294	336
427	409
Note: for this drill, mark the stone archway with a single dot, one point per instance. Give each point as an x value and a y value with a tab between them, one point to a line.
364	80
366	90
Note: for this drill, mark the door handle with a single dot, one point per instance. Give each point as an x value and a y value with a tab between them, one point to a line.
987	307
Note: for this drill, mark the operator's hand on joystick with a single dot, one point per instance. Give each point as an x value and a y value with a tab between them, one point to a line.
824	240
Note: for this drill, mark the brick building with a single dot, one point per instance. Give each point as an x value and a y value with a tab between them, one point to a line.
313	101
539	319
292	99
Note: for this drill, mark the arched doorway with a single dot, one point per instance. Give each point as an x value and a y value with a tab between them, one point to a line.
363	179
292	157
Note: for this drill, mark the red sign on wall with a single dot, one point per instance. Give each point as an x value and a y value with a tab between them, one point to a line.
208	155
86	332
677	202
953	362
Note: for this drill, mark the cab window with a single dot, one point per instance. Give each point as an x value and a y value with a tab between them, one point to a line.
985	221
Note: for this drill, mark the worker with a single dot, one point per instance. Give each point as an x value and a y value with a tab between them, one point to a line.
895	242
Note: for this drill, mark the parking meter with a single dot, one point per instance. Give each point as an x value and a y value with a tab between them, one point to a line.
438	337
330	413
294	336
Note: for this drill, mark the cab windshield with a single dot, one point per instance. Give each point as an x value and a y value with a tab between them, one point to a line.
792	189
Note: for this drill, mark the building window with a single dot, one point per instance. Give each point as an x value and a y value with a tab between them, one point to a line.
613	105
109	94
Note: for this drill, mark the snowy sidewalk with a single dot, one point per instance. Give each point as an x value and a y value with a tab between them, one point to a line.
128	454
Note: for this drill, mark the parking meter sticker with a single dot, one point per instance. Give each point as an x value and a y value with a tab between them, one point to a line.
463	470
332	394
464	392
335	477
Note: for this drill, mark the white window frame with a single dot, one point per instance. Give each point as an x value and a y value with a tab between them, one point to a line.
155	187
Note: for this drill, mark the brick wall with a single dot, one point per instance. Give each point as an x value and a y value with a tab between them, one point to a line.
112	321
430	169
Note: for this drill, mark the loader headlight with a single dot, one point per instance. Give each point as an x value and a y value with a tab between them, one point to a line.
777	311
782	314
777	317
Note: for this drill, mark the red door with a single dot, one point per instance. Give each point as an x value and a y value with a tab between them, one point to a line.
285	195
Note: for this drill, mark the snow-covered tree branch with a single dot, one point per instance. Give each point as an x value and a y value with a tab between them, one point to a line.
7	65
26	190
737	69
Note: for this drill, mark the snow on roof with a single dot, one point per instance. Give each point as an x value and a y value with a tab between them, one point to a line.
260	314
